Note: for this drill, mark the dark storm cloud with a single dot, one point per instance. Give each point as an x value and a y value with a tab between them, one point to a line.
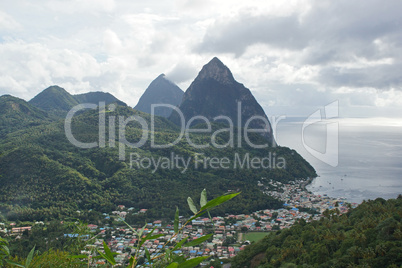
380	77
236	35
182	72
328	27
351	28
330	34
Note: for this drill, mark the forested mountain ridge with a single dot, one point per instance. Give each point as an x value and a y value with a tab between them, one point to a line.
367	236
16	113
97	97
54	99
57	101
44	176
51	167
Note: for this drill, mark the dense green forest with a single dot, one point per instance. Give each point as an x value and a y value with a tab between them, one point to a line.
45	177
16	114
368	236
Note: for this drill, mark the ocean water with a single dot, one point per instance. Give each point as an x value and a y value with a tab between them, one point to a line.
369	156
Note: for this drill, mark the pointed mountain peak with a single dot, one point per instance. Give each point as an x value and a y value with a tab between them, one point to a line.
216	70
160	91
162	78
216	93
54	98
55	88
215	60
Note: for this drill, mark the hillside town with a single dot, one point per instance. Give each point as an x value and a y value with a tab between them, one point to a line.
229	231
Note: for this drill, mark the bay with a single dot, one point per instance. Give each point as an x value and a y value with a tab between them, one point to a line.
369	156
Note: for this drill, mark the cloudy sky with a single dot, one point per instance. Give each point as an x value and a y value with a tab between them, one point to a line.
295	56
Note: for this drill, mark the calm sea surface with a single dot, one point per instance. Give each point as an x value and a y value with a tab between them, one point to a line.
370	157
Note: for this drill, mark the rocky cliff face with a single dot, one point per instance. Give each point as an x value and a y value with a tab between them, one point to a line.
215	92
160	91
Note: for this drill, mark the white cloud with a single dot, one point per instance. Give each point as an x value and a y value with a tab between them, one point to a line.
182	72
390	98
29	67
8	23
293	55
81	6
111	41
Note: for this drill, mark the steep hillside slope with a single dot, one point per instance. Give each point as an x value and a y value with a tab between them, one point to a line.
368	236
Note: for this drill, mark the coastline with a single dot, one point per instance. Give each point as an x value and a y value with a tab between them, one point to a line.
354	188
306	183
310	181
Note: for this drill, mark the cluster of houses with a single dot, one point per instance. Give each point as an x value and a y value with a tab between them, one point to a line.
294	195
226	240
124	240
